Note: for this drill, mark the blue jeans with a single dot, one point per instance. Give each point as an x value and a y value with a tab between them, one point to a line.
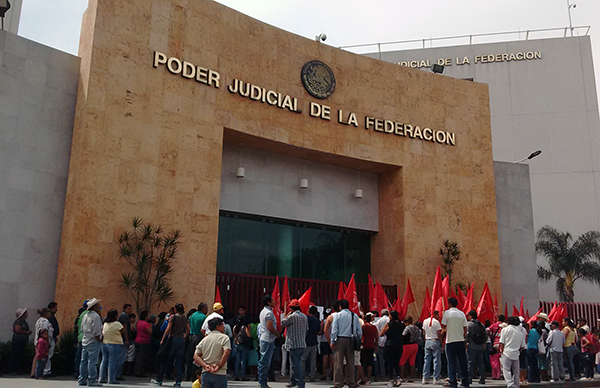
39	368
87	366
457	358
241	361
570	353
175	355
211	380
264	363
111	354
121	360
475	356
297	377
432	351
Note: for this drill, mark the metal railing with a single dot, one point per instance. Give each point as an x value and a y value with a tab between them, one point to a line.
471	39
247	290
589	311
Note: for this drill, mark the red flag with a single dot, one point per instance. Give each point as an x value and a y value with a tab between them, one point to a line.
285	297
426	305
561	313
351	296
437	291
218	296
382	298
521	310
485	308
552	312
341	291
453	294
373	302
469	302
532	319
406	300
305	301
506	309
515	311
526	317
276	295
461	299
446	287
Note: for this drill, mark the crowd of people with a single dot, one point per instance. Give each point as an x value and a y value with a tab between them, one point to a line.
348	348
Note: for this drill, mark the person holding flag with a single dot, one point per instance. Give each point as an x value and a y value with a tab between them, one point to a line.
267	335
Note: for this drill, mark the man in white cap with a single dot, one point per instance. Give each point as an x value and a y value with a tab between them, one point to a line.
217	313
91	327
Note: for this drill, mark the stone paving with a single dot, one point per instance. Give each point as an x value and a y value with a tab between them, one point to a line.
62	381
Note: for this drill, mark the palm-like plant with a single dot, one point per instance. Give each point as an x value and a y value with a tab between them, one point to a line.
150	253
450	253
568	261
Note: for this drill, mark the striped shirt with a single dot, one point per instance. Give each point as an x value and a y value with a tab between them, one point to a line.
297	326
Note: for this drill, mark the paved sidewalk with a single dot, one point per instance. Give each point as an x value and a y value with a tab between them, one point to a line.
65	382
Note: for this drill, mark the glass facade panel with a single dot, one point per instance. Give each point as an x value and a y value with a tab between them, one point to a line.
254	246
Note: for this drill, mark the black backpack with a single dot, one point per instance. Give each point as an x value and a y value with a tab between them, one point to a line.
478	333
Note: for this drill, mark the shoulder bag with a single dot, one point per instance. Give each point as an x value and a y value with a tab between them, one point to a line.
356	342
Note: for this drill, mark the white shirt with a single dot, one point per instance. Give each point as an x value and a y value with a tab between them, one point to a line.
431	332
380	324
205	324
91	326
455	322
513	339
43	323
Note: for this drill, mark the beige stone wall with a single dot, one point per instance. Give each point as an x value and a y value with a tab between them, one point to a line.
148	143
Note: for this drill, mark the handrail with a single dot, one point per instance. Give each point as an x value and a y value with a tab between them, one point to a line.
528	36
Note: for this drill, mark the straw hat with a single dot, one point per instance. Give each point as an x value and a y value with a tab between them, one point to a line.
92	302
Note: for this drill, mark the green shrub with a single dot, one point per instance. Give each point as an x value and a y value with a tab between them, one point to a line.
5	349
62	361
64	354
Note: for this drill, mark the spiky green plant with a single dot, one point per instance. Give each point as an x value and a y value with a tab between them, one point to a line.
450	253
150	253
568	261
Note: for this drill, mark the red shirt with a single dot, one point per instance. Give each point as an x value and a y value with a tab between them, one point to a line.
142	336
370	336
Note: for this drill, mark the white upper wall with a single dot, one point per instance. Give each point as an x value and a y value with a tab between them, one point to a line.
550	104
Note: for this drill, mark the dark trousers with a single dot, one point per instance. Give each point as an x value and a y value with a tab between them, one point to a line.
457	359
16	356
533	371
175	355
392	355
589	362
142	359
194	340
475	358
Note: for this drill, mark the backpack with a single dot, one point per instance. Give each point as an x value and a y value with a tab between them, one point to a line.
478	333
